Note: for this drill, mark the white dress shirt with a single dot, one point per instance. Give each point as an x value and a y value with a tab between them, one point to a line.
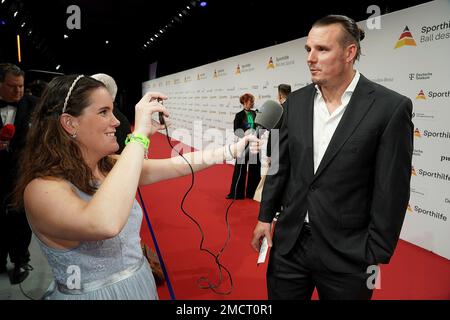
325	124
8	114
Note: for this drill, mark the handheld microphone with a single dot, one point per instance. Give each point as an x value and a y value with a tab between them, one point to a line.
269	115
160	114
7	132
271	112
161	118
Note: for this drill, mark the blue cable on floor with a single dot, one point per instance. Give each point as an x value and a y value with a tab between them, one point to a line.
163	267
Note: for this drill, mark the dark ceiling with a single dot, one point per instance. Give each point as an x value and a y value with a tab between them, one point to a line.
201	35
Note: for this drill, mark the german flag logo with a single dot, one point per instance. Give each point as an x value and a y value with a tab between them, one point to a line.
417	133
238	69
409	208
270	64
406	39
421	96
413	172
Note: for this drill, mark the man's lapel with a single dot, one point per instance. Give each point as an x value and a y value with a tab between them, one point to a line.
305	125
359	105
2	105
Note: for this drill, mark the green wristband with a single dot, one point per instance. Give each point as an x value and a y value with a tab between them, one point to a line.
136	137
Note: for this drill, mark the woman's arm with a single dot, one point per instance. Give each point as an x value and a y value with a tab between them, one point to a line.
154	170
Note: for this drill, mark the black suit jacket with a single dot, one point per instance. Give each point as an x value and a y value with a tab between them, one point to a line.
269	139
358	197
9	159
240	122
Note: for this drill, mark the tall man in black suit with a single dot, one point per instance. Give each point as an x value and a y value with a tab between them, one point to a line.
344	175
15	110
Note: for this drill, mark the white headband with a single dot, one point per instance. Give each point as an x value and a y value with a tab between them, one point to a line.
70	91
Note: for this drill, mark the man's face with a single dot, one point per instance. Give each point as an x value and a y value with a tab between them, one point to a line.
11	90
326	57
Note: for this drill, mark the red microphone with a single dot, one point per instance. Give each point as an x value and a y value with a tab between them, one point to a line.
7	132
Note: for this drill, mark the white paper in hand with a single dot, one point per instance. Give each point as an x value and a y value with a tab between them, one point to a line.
263	251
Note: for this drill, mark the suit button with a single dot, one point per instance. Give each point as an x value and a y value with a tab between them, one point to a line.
312	188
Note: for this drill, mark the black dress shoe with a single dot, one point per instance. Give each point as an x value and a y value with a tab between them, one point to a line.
19	274
26	266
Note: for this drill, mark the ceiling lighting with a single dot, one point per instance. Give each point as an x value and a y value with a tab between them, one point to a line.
175	19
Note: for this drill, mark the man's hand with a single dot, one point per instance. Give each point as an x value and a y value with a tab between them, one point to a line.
262	230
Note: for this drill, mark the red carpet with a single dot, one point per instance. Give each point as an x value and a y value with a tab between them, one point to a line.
413	273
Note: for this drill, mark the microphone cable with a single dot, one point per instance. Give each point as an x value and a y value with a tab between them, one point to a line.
207	284
26	295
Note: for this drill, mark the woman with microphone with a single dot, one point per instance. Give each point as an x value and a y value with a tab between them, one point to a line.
80	198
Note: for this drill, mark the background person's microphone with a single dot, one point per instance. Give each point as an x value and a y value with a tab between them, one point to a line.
7	133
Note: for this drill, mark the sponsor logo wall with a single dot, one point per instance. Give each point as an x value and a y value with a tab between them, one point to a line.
210	98
408	54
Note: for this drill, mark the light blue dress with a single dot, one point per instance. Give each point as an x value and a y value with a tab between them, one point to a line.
112	269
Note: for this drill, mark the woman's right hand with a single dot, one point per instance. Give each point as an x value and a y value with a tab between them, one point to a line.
149	104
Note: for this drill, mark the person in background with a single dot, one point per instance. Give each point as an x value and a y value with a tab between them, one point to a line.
243	185
79	195
37	87
15	111
283	91
344	175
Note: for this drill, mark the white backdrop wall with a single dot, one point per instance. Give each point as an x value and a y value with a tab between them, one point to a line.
409	53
